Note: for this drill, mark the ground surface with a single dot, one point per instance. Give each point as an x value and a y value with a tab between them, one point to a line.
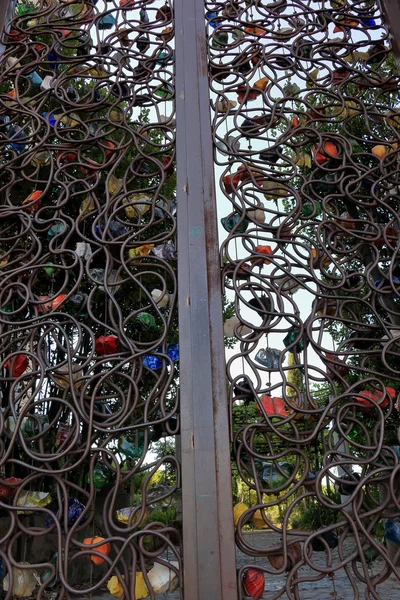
324	589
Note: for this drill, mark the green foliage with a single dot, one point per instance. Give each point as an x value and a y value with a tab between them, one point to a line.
166	515
315	515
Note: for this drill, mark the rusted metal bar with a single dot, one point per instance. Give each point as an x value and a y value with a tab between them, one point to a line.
209	554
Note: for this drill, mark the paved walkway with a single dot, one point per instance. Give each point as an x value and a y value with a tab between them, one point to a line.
326	588
336	588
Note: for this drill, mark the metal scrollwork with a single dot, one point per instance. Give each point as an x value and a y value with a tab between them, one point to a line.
305	124
89	352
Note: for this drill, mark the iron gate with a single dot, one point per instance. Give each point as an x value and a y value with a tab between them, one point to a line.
130	460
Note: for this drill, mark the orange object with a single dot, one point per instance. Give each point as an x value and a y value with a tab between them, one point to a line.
57	302
254	30
327	151
261	84
366	405
273	406
263	250
167	34
47	305
254	583
34	197
242	174
295	122
379	151
346	23
103	549
123	3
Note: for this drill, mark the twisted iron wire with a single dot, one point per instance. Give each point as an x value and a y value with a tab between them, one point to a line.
88	345
305	118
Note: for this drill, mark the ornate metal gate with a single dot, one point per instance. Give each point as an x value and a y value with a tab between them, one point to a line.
119	442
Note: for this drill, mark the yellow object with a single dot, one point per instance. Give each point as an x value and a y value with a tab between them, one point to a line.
141	590
24	581
114	184
393	118
135	205
352	108
87	205
3	258
304	160
62	378
293	376
312	78
258	521
140	251
238	510
33	500
114	587
167	34
40	158
354	57
70	120
123	515
273	192
116	116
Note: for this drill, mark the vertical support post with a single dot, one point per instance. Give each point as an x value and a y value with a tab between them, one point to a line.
391	9
208	533
6	8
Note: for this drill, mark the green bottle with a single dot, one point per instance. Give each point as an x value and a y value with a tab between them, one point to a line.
7	308
22	9
308	209
49	271
101	476
230	223
220	39
291	337
145	321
